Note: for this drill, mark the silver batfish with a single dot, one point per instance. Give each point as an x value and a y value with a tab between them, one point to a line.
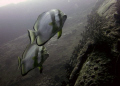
47	25
33	56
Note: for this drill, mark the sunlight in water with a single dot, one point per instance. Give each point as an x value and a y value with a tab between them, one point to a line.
7	2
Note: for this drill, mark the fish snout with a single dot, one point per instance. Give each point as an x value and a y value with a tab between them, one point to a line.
64	19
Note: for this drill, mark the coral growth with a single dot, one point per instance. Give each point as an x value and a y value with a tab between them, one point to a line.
95	61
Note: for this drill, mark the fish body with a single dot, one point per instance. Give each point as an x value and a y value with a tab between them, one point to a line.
33	56
47	25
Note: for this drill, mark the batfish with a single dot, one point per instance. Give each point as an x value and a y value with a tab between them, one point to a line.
33	56
47	25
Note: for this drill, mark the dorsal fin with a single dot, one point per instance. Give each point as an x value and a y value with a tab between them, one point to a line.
25	51
36	25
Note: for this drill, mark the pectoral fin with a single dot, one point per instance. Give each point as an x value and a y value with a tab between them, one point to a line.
35	61
59	34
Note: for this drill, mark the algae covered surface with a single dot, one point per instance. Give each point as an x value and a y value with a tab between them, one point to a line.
97	54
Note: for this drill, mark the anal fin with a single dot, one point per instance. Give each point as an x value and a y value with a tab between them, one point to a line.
39	41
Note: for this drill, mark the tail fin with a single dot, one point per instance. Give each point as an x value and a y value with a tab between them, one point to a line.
31	35
19	62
